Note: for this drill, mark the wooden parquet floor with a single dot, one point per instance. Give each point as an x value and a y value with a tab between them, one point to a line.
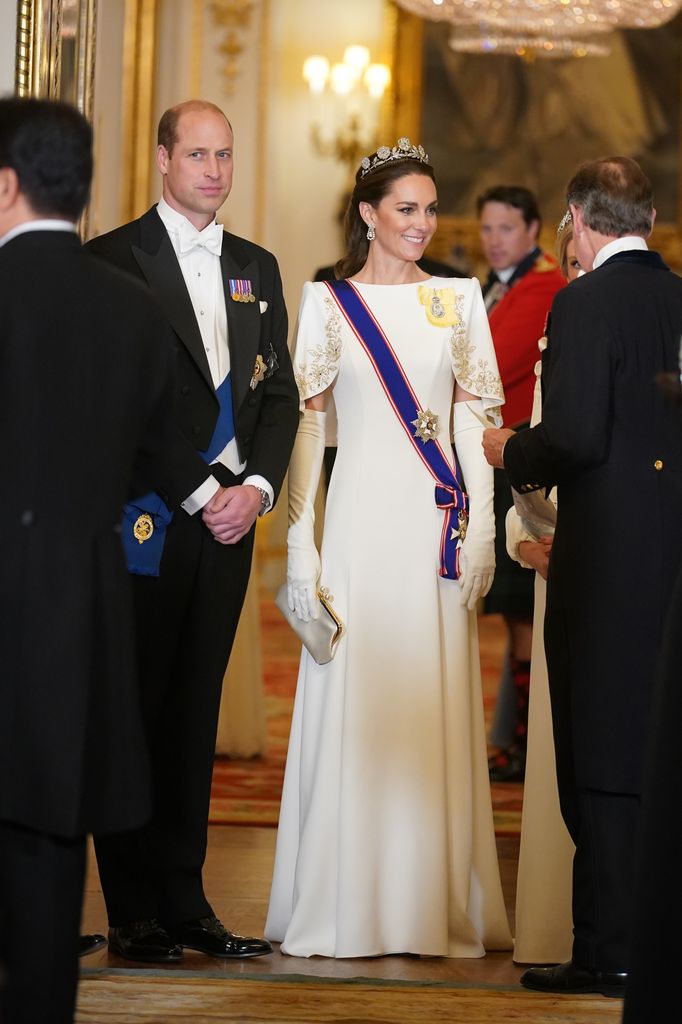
277	989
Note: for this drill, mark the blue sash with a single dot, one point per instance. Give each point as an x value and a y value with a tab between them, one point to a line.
449	493
146	519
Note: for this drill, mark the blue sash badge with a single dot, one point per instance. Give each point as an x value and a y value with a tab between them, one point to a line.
145	520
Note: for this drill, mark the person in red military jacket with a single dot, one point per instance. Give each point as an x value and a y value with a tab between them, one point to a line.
522	282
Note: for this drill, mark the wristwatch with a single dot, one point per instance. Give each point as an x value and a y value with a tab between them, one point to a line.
264	498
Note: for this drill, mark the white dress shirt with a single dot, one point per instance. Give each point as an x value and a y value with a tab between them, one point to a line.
198	254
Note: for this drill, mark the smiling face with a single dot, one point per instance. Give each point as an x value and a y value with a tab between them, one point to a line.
505	237
405	219
197	174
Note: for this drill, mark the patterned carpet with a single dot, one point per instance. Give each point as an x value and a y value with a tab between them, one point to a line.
246	792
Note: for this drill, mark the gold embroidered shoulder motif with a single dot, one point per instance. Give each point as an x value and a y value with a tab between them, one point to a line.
319	370
474	375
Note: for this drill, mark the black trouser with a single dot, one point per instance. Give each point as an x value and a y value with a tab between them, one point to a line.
186	620
41	892
604	878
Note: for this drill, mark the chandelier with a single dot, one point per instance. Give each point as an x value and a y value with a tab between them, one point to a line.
550	28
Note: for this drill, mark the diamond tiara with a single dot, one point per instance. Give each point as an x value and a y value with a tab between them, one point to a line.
566	219
403	150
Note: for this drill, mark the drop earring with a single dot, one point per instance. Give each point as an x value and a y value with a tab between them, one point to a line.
371	233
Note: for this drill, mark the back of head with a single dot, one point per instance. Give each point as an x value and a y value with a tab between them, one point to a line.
48	144
614	195
520	198
374	179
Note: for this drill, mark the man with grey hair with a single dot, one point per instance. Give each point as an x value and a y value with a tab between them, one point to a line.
612	445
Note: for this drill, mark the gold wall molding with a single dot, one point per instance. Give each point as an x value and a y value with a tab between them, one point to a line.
38	48
55	51
261	161
139	43
196	46
233	18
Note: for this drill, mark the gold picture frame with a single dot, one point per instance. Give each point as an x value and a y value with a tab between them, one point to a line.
458	234
55	53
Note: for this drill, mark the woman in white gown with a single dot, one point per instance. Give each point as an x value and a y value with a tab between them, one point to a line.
386	841
544	932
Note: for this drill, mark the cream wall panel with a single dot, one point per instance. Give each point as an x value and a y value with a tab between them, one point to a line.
105	206
303	188
190	65
8	34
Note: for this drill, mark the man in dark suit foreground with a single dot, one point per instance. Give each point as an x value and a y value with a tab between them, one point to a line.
612	444
85	414
237	402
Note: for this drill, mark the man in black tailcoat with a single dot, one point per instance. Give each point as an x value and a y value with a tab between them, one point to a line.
237	402
85	420
611	443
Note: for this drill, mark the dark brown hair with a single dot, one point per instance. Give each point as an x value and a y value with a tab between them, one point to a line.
522	199
167	134
371	189
614	195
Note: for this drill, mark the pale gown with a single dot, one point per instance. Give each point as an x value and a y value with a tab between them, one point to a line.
544	927
386	841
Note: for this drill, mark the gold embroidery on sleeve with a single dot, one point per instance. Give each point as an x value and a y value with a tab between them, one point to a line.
317	373
476	376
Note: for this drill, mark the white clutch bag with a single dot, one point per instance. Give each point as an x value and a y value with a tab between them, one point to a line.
320	636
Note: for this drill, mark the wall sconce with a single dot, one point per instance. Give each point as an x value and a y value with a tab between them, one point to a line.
346	102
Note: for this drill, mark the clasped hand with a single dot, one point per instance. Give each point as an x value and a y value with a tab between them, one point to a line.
494	440
231	512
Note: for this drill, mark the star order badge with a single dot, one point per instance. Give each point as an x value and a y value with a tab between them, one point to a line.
462	523
258	372
143	528
426	425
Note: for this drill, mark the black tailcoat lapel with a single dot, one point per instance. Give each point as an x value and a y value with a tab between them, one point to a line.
243	322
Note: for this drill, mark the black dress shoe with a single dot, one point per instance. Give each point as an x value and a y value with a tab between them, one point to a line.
207	935
144	940
91	943
507	766
569	978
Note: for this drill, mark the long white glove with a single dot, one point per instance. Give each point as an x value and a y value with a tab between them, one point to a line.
477	554
303	561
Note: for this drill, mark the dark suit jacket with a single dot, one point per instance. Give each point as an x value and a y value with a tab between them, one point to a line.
85	403
612	444
266	417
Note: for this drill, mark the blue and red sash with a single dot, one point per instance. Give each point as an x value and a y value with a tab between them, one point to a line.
449	492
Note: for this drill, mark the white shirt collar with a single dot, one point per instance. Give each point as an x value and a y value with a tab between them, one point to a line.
173	219
624	244
48	224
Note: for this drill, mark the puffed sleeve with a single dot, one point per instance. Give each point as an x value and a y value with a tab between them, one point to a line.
472	353
317	348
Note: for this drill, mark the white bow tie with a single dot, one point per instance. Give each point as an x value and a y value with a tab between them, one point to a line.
210	238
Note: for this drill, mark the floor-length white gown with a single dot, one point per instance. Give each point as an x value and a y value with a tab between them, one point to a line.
386	841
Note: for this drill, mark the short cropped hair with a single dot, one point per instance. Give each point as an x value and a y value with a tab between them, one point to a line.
48	144
167	134
520	198
614	195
